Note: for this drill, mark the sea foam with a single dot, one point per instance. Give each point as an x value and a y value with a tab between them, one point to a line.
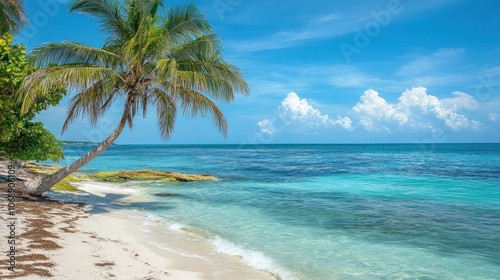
252	258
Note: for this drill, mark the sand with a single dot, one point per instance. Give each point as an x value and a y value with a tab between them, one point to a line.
101	238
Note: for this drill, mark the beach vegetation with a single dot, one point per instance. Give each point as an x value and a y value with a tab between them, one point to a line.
20	137
155	57
149	175
64	186
43	169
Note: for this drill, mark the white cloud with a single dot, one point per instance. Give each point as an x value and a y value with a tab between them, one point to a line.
461	101
415	109
326	18
291	32
299	110
344	122
351	78
494	117
298	114
374	109
266	127
326	26
424	63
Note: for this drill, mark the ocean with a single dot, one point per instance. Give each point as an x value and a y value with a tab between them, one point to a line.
329	211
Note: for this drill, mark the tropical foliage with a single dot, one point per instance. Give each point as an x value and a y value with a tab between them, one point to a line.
169	61
12	16
20	137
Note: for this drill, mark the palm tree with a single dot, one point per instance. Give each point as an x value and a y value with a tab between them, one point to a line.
12	16
168	63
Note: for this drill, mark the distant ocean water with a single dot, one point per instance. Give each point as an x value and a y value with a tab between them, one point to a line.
332	211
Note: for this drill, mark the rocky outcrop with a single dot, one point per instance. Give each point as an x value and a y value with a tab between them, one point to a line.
150	175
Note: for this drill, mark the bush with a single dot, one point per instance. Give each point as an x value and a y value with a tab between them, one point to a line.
20	138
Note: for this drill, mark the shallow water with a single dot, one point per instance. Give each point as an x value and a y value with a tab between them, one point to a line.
332	211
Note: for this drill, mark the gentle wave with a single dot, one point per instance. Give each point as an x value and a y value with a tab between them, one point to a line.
252	258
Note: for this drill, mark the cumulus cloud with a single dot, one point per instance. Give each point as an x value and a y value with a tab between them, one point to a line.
344	122
295	113
415	109
266	127
299	110
373	110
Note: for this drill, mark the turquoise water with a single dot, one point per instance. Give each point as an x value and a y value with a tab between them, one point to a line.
332	211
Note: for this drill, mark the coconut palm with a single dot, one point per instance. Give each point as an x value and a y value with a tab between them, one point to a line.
167	62
12	16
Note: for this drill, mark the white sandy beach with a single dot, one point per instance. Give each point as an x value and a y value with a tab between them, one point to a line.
104	240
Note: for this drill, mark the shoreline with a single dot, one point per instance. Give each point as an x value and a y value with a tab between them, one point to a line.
107	238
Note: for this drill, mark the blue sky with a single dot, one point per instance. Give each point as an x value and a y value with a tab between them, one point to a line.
326	71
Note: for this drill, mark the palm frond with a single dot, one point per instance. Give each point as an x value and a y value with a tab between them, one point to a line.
108	12
205	47
186	20
12	16
73	77
144	103
194	103
163	70
135	48
135	13
91	102
166	111
214	77
130	121
182	25
217	79
200	67
141	21
73	53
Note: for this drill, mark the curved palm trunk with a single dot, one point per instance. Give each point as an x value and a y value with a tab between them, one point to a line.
40	186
